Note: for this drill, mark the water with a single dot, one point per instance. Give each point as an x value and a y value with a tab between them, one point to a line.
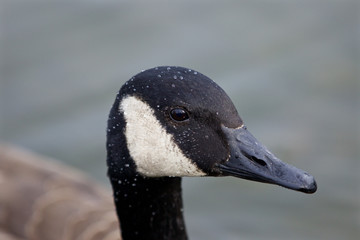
290	67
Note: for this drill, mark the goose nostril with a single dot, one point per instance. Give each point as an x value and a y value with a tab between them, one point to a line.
254	159
258	161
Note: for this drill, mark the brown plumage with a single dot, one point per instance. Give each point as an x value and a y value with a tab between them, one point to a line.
41	199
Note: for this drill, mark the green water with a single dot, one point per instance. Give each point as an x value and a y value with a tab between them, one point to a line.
291	68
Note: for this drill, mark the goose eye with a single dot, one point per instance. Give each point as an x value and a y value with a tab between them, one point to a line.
179	114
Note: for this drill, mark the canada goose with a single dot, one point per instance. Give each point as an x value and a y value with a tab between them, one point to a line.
41	199
165	123
170	122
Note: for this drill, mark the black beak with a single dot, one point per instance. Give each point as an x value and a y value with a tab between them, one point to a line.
250	160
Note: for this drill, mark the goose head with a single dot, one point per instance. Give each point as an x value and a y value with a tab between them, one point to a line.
174	121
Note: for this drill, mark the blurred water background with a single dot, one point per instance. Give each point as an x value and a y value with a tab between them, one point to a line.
291	68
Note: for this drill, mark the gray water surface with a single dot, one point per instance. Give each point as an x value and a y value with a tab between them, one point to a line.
291	68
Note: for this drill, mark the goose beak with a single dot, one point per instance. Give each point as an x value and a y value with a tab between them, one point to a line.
249	159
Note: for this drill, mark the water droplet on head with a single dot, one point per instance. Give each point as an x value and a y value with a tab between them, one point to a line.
175	77
159	76
173	85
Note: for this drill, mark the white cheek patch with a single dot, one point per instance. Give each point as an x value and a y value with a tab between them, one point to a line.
153	149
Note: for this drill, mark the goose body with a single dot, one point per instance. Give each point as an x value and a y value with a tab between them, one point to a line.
170	122
42	199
